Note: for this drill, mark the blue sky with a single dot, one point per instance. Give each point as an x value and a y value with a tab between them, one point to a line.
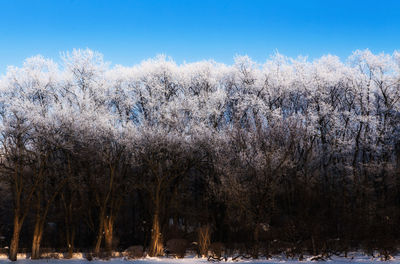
129	31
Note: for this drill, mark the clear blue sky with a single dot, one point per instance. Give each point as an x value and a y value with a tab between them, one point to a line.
129	31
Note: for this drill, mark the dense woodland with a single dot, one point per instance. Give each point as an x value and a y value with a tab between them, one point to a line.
292	156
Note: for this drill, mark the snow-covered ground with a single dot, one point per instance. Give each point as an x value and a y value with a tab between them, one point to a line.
352	258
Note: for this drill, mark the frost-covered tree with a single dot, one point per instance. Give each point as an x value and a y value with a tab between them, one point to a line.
256	137
27	97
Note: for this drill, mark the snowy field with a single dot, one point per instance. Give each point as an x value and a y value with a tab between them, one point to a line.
353	258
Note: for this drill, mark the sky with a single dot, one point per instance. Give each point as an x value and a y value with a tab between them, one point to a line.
129	31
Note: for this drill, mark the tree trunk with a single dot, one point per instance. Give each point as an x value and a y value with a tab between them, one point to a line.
36	247
255	246
315	250
204	240
15	238
37	238
99	234
108	233
156	246
70	236
69	227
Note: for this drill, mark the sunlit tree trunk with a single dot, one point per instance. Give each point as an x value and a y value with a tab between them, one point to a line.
41	215
38	230
70	242
15	237
37	238
108	233
103	209
156	244
99	237
204	240
20	211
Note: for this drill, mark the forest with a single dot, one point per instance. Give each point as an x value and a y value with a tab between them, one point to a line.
292	156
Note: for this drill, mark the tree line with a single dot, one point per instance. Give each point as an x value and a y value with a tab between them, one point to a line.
291	156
